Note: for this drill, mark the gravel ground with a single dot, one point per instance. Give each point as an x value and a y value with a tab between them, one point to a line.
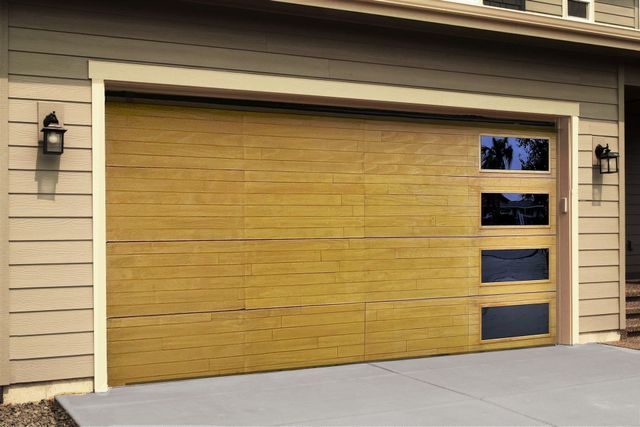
630	342
41	414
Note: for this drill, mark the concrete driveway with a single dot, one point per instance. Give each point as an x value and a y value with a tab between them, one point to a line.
581	385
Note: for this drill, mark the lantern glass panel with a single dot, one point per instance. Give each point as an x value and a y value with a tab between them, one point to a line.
604	165
609	164
53	141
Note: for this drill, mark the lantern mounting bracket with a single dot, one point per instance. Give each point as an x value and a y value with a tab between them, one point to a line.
51	119
600	150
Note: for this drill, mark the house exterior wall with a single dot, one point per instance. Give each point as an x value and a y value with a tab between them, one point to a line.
549	7
50	272
617	12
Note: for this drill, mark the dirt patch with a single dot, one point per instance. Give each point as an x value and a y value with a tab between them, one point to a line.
629	342
40	414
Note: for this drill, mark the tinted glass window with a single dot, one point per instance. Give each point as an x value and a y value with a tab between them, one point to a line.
511	153
515	209
507	4
514	265
515	321
578	9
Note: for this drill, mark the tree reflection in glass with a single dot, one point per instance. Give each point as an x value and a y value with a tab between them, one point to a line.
515	209
511	153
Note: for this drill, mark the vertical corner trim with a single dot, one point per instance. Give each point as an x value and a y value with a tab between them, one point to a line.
575	233
99	236
622	201
5	374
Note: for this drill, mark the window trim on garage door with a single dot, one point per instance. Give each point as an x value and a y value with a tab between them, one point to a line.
232	84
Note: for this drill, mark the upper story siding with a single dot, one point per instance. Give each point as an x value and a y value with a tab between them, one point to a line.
549	7
623	13
617	12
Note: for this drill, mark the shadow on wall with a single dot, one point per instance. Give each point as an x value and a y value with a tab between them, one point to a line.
596	187
46	175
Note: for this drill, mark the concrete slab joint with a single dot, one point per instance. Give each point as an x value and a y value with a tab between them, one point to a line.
558	385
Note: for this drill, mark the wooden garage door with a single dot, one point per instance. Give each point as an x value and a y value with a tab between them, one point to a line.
243	241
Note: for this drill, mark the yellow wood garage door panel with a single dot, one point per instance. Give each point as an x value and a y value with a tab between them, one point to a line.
243	241
234	342
228	189
416	328
179	277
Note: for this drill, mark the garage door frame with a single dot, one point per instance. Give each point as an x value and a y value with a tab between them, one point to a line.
251	86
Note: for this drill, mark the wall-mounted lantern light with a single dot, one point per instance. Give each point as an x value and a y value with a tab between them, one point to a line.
607	159
53	135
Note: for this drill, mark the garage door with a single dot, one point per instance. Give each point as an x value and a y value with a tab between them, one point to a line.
244	240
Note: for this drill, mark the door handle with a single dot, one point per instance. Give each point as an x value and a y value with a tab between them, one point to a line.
564	205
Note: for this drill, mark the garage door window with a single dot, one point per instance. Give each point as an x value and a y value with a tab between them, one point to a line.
515	321
515	209
515	265
510	153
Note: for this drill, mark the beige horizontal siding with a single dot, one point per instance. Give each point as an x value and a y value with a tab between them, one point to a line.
48	61
605	322
29	300
50	231
74	159
549	7
599	227
51	322
599	241
605	306
235	30
50	89
599	290
55	252
52	345
26	135
599	258
622	13
50	182
26	111
598	274
51	275
40	229
53	368
28	205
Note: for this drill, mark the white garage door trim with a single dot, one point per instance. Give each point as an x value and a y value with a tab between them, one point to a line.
251	86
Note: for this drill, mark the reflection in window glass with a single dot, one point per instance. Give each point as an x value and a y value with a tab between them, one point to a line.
515	321
515	209
511	153
515	265
578	9
507	4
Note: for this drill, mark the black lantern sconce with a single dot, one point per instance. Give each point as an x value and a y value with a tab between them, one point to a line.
53	135
607	159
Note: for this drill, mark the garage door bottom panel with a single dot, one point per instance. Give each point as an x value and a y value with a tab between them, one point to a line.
152	348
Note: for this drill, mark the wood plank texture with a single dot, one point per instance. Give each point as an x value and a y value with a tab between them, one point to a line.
310	223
